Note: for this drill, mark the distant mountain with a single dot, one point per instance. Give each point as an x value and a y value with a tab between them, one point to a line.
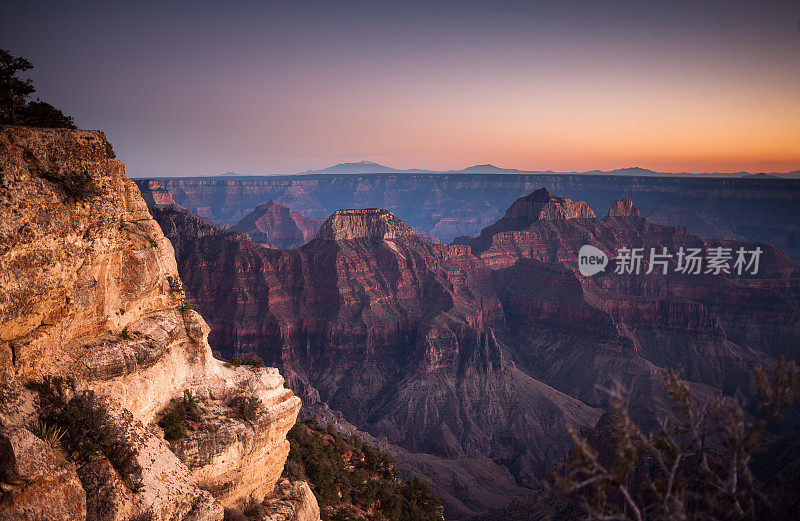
634	170
370	167
760	176
488	169
360	167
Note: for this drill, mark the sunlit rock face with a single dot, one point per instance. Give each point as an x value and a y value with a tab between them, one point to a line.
369	223
623	208
89	291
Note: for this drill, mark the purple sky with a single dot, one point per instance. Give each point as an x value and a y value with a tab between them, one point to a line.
195	88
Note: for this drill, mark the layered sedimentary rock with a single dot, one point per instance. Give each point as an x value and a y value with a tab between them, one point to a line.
540	205
450	205
277	226
487	347
155	194
623	208
370	223
90	295
367	316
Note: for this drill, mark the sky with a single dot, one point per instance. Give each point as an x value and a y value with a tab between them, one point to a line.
199	88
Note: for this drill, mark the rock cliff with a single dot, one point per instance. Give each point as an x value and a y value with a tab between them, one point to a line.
369	223
97	341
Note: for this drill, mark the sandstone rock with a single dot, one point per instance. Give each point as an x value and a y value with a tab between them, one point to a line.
277	226
155	194
23	456
234	458
293	501
55	495
89	290
538	207
369	223
107	497
623	208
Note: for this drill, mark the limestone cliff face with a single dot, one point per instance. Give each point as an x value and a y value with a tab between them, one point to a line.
371	223
155	194
89	291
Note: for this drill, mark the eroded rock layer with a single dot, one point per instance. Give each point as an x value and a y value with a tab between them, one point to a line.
489	346
91	302
277	226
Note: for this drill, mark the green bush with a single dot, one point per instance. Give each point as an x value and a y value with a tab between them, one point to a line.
44	115
348	475
180	413
252	361
172	423
234	362
247	407
76	185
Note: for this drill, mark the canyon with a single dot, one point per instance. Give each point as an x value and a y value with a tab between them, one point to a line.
477	354
448	205
465	361
97	344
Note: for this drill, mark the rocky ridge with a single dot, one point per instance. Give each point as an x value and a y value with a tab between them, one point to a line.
276	226
93	320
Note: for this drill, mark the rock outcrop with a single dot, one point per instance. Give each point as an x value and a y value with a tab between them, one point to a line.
43	485
276	226
369	223
540	205
156	195
623	208
94	320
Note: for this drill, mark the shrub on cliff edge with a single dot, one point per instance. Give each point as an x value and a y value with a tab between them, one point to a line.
350	478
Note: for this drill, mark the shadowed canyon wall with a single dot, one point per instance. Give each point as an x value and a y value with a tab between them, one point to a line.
449	205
